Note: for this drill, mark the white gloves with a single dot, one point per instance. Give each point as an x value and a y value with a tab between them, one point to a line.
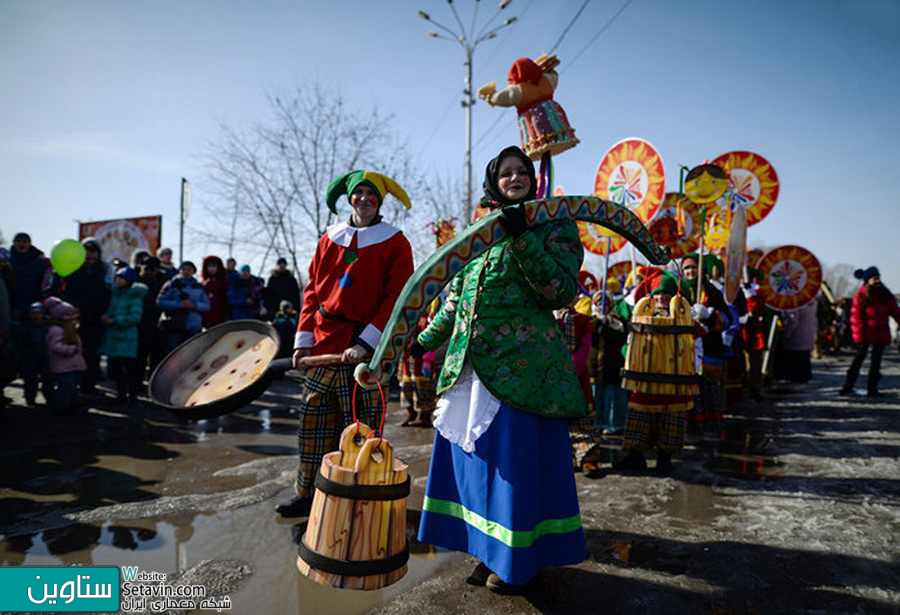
700	312
744	319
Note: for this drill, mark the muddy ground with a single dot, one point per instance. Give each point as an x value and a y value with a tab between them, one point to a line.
793	506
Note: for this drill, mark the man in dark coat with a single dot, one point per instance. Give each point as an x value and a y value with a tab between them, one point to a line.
32	273
33	277
282	286
150	346
88	289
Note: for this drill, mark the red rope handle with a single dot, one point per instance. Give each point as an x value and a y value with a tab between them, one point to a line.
383	407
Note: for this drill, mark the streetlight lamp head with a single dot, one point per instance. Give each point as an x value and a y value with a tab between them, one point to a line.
432	34
511	21
424	15
492	35
504	4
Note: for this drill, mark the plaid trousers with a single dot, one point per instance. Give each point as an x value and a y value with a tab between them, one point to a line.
663	430
325	410
418	394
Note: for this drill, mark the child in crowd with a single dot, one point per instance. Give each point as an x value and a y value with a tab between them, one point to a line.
120	340
286	324
66	359
606	362
33	354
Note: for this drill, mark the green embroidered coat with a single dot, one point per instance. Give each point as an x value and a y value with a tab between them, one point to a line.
498	314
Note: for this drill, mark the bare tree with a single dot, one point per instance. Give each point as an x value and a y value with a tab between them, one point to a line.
268	182
840	279
439	197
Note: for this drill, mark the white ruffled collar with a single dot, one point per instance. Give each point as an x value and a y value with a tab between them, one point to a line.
342	234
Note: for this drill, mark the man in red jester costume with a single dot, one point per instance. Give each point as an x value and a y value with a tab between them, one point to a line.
355	276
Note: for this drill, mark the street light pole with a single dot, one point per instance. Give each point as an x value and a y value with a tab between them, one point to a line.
469	41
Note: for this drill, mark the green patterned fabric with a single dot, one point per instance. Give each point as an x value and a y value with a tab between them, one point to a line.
498	316
509	537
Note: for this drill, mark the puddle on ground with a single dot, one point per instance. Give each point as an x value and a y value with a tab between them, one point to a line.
252	534
172	458
691	505
749	467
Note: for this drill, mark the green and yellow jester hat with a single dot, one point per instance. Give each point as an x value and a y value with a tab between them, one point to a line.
381	184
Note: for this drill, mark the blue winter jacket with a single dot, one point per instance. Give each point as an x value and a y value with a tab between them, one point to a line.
239	291
175	291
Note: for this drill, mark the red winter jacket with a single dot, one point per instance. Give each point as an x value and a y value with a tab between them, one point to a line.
869	317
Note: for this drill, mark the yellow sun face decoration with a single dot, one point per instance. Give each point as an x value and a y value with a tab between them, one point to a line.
705	183
631	173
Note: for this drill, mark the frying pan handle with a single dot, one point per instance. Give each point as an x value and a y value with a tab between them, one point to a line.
322	360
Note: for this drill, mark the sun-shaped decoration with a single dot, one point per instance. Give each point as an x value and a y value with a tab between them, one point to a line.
631	173
676	225
752	184
619	271
791	277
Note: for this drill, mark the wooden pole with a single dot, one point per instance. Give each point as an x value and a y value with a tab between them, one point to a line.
700	256
771	338
605	276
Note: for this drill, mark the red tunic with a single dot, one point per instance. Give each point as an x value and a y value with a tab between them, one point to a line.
355	278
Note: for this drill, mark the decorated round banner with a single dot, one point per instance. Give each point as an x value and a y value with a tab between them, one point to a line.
676	225
596	238
630	173
619	271
791	277
752	184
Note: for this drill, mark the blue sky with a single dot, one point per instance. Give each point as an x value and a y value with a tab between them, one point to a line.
107	104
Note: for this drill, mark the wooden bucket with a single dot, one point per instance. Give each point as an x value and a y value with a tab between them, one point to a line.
660	359
356	536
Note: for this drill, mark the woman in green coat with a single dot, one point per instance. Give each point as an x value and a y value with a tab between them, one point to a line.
500	485
120	340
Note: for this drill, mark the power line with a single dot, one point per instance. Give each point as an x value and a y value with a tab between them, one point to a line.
596	36
500	117
568	27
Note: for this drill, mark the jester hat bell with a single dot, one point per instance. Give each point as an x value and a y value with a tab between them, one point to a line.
381	184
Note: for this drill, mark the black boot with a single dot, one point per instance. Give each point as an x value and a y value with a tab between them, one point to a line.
296	507
663	464
633	461
479	576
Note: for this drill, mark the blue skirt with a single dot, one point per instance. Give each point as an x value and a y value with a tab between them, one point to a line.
512	502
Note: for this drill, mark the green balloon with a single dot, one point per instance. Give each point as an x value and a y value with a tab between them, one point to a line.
66	257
